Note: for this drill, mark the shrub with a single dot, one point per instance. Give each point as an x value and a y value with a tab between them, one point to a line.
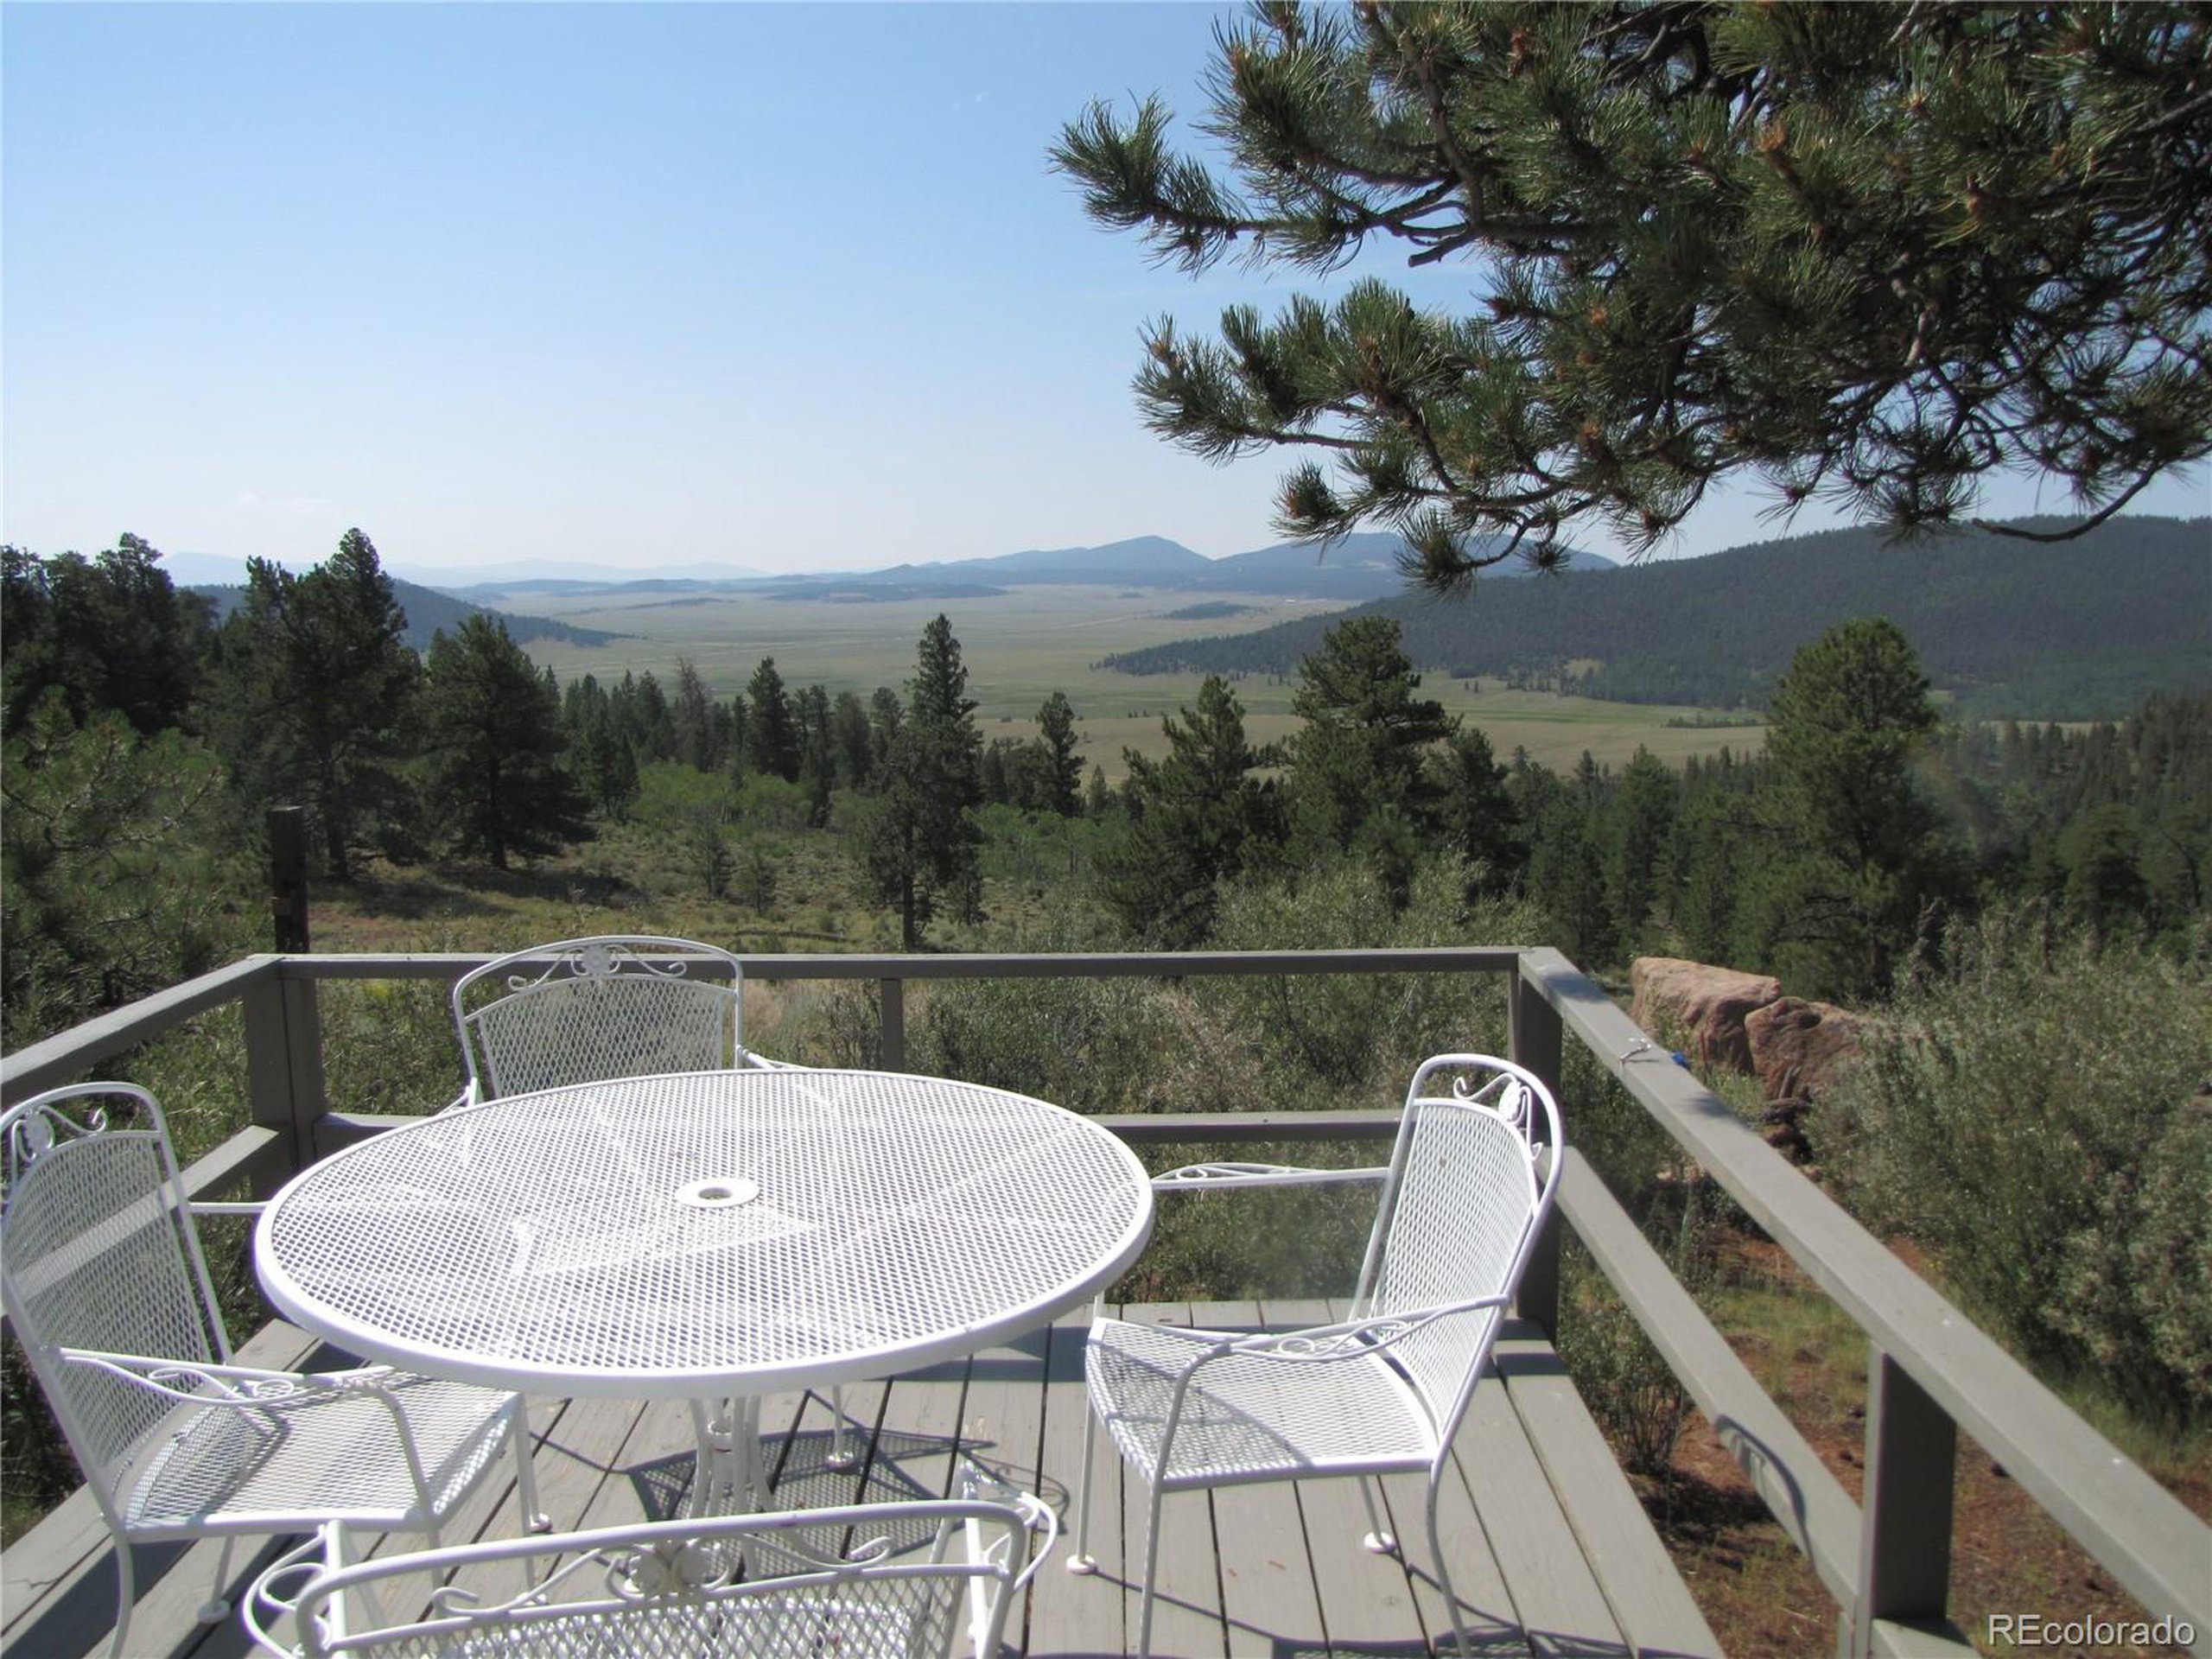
1364	1032
2031	1113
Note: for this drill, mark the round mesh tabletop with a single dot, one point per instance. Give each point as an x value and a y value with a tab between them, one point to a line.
721	1232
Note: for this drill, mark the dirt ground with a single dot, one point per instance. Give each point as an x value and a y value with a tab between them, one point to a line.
1761	1597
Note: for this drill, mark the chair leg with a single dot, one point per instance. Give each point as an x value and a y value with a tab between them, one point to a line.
1083	1561
126	1595
1150	1570
1444	1577
217	1608
533	1518
841	1460
1379	1540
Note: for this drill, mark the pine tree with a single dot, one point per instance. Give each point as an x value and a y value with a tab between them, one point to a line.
112	632
1861	853
1475	810
313	697
915	843
692	719
1864	253
1363	748
1197	819
771	734
494	747
1062	768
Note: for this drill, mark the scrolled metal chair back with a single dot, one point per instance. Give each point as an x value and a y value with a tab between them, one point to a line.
97	1252
580	1010
741	1585
1471	1177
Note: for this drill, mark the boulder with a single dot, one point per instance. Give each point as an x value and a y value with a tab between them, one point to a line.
1706	1005
1798	1047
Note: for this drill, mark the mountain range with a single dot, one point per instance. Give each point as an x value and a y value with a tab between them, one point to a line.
1358	569
2083	628
430	612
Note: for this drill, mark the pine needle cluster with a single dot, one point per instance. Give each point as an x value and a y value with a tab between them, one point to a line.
1870	254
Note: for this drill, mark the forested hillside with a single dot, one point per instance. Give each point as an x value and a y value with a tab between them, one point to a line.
2085	629
430	612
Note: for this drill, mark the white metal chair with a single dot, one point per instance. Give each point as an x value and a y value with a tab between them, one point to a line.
1470	1182
915	1580
102	1273
613	1006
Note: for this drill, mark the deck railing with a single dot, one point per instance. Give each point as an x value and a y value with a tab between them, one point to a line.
1886	1559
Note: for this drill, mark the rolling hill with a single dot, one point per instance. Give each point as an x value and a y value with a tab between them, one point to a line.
1358	569
2080	629
430	612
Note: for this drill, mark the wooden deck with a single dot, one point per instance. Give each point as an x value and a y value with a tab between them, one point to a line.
1548	1548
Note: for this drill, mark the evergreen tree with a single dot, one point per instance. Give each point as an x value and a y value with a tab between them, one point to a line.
1862	852
886	715
313	690
1566	872
771	734
1363	748
1197	819
110	633
848	740
1640	829
916	844
1864	253
1061	768
691	719
646	718
108	890
495	744
1475	810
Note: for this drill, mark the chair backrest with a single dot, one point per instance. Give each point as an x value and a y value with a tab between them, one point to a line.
1472	1179
909	1581
579	1010
97	1251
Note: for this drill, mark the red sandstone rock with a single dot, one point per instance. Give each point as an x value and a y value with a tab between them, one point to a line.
1707	1006
1797	1046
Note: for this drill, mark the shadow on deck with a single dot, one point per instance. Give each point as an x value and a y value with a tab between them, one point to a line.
1551	1552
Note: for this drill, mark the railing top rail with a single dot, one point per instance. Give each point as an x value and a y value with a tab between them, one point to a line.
1496	959
2146	1537
64	1057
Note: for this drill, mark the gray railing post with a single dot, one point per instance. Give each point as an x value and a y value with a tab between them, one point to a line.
891	1031
1904	1549
283	1053
1535	1042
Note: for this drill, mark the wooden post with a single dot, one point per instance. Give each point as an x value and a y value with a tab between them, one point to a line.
891	1034
288	877
1904	1549
1536	1041
284	1080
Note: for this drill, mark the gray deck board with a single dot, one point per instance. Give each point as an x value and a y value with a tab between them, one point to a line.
1266	1576
1538	1523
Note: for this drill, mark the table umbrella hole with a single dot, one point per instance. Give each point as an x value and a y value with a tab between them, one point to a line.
719	1194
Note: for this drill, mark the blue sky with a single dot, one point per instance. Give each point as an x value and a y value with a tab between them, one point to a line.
776	286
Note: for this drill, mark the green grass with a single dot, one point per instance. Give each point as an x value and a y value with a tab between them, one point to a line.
1024	645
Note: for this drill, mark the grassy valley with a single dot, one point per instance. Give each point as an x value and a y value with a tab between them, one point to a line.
1022	644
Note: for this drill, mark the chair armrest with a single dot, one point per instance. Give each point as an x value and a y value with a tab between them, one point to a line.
1034	1511
188	1380
224	1207
1350	1337
275	1595
1220	1177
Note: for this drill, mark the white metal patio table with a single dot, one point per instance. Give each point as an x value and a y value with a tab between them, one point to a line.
710	1236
